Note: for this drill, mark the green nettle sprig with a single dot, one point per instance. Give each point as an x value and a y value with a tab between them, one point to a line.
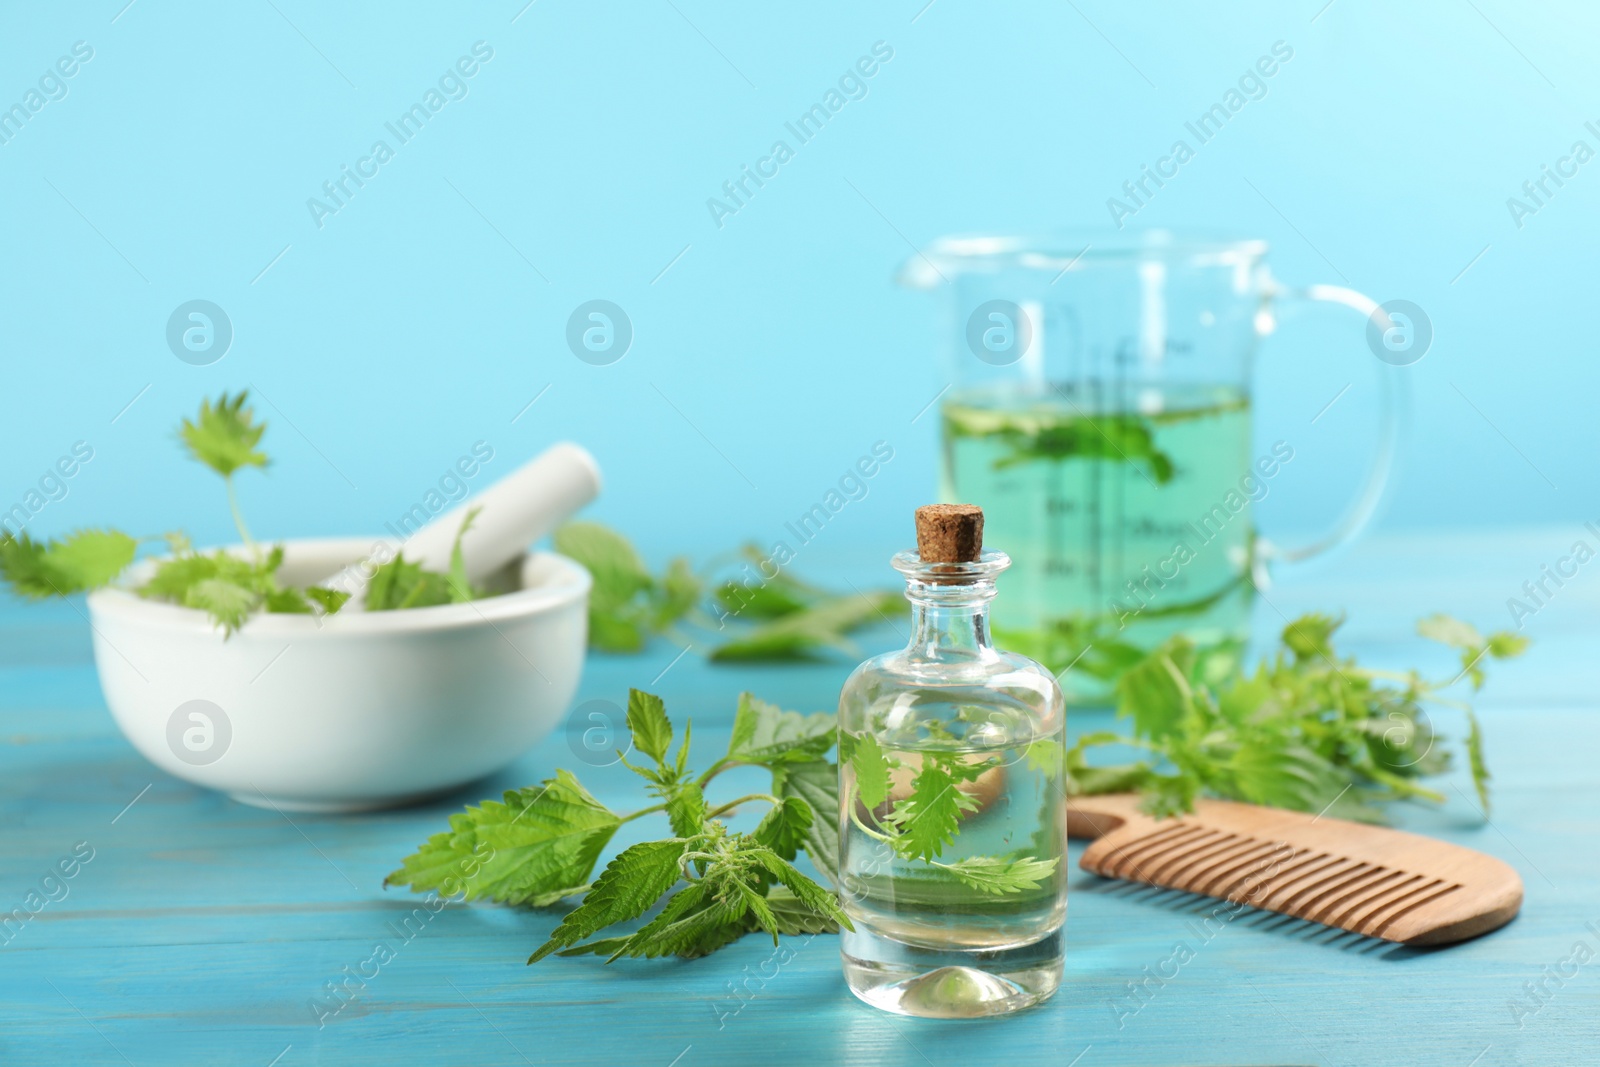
1308	730
775	616
922	824
543	843
228	587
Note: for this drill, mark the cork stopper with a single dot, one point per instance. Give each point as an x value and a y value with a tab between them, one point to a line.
950	533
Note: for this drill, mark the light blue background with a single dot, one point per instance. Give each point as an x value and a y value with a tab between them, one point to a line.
410	326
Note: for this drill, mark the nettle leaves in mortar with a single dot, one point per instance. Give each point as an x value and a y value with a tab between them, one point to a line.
540	844
225	437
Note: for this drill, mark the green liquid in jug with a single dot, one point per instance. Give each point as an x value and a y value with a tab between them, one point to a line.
1124	511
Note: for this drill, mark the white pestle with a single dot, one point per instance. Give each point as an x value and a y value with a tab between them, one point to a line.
520	508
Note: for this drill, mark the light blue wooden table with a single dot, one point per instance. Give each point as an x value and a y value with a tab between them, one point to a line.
201	930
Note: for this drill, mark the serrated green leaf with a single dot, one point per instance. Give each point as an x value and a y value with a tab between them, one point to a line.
1475	762
675	595
817	783
400	584
626	889
1167	795
795	918
442	857
83	560
998	875
686	809
926	822
1450	631
811	896
1310	637
173	578
609	558
683	925
766	734
287	602
226	601
871	770
759	911
647	719
22	564
462	590
538	841
807	634
1045	756
610	633
1506	645
1155	694
89	559
224	435
784	828
329	600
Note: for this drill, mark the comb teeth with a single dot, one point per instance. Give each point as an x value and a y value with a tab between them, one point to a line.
1319	886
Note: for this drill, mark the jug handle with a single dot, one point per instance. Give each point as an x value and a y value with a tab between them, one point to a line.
1392	401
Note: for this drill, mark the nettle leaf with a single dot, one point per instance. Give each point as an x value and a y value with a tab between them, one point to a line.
1450	631
1284	776
689	921
225	435
647	718
329	600
784	828
676	594
89	559
609	557
759	911
686	809
764	733
625	890
1155	694
1480	770
540	841
817	783
627	604
461	589
1504	644
442	861
815	898
173	578
813	630
84	560
1167	795
1045	756
871	770
287	602
927	821
226	601
1310	637
400	584
793	917
1000	876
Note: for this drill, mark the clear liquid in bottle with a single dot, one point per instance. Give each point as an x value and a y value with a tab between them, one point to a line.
952	843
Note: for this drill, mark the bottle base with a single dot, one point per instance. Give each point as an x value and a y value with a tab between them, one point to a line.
949	983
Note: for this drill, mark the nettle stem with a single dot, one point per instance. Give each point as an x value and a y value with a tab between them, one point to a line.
642	812
730	805
715	769
238	517
855	817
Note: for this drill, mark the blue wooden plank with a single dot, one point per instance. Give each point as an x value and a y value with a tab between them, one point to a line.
202	930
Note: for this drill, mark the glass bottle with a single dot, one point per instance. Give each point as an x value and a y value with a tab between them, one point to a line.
957	891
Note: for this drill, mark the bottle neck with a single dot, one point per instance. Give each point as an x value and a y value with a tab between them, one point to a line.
950	621
950	606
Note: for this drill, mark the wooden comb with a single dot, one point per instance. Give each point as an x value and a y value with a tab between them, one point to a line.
1368	879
